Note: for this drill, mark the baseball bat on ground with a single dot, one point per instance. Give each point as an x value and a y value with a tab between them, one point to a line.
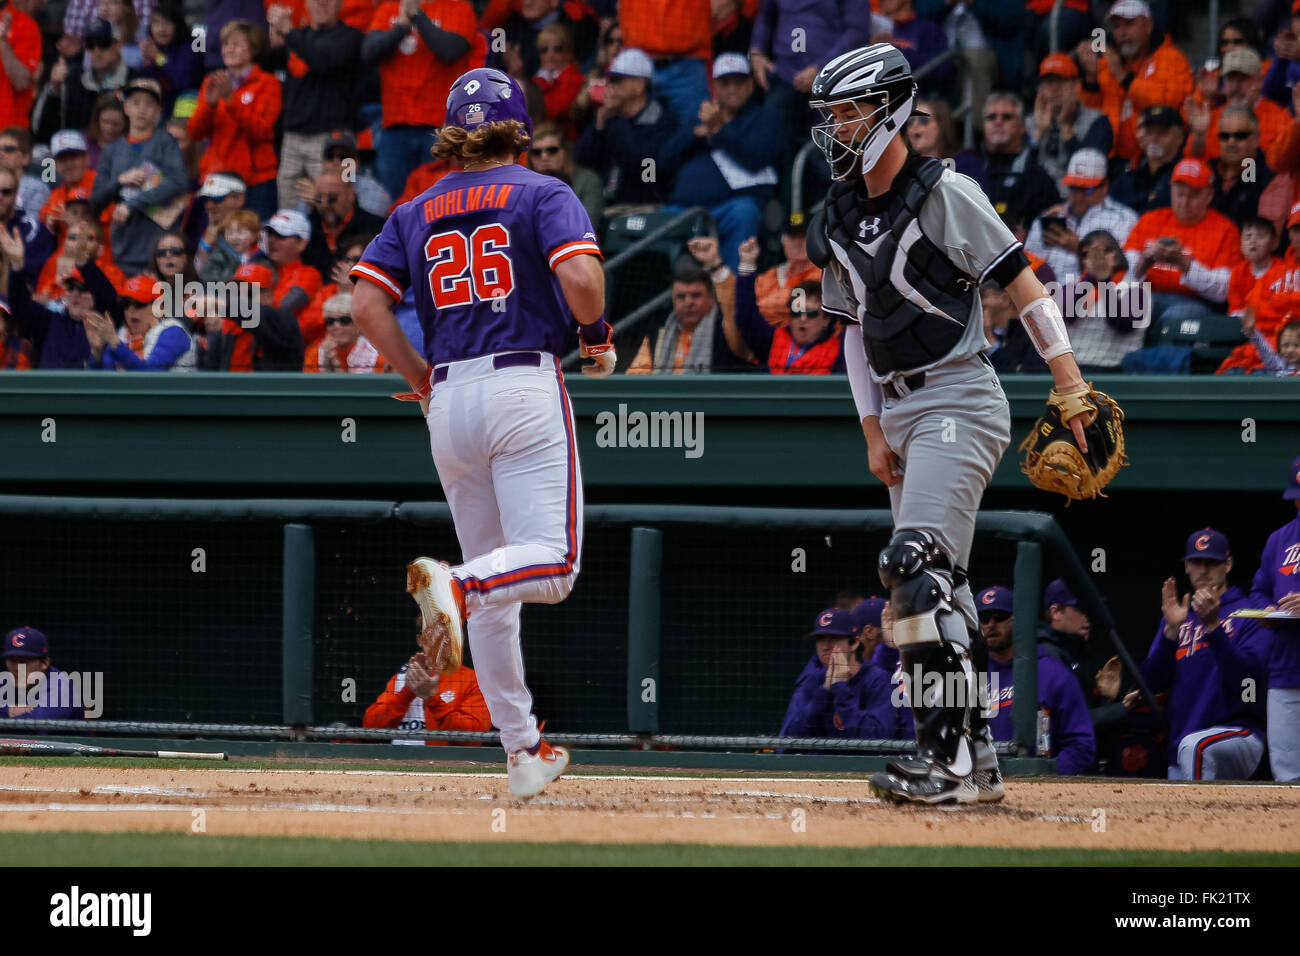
56	748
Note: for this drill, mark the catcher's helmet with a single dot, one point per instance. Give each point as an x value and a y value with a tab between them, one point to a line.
486	96
878	74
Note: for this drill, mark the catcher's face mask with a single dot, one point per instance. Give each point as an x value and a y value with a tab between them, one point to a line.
853	133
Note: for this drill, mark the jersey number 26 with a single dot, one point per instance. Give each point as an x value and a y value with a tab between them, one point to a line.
483	255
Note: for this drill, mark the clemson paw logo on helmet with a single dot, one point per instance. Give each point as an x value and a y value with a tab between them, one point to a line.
472	87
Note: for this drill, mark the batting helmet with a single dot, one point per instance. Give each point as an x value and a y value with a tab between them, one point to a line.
879	75
486	96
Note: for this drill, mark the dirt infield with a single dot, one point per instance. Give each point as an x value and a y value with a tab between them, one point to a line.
387	804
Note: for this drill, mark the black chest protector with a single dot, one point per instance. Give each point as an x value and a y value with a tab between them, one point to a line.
917	304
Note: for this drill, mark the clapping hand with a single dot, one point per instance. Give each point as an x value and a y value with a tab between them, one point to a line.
749	252
11	245
1175	610
1205	605
420	677
1108	678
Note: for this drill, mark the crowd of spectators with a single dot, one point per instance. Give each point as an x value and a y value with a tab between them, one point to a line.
1225	688
265	139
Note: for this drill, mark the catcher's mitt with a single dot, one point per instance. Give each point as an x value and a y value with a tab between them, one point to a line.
1053	460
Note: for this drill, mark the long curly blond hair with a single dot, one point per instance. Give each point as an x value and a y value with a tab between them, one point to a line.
491	139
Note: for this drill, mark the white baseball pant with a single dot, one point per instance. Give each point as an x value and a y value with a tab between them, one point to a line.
504	445
1284	732
1218	753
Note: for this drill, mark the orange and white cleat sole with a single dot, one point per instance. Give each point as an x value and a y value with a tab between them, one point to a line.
442	612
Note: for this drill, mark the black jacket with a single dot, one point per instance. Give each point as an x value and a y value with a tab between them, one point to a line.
318	254
1072	651
278	338
324	98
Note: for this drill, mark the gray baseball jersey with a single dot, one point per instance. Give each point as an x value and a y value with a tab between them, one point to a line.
958	218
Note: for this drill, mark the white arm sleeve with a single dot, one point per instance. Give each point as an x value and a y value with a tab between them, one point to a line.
1210	284
866	393
1043	321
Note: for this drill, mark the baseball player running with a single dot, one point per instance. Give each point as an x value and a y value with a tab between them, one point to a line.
905	243
502	261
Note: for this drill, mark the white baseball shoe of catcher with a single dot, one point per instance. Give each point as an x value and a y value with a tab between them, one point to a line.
442	612
530	773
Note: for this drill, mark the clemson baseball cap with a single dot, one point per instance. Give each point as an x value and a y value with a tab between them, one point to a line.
143	84
833	622
142	289
1058	593
221	185
868	612
1165	116
1293	481
1058	64
289	222
1241	59
67	141
255	272
1293	218
996	598
1129	10
1208	545
634	62
339	140
730	64
26	642
1193	172
1087	168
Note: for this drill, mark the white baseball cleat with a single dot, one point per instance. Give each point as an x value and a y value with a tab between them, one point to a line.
530	773
442	611
988	776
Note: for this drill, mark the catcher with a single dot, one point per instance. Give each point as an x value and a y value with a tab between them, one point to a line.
905	243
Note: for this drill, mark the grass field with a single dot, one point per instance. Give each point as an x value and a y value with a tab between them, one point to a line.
174	849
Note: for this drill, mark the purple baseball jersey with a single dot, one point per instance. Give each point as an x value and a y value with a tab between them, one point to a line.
479	250
1073	743
1204	673
1279	575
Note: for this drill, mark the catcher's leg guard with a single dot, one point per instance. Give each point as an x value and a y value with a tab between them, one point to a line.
988	776
934	646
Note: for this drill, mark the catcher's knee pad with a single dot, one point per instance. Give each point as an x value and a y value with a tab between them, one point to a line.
917	572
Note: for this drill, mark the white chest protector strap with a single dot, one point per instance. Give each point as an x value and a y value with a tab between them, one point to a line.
1042	320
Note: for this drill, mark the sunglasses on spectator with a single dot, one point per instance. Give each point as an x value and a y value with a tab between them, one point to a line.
8	148
99	44
1231	41
547	150
613	39
997	617
338	320
1239	136
990	117
808	313
1086	190
920	120
553	48
8	191
171	251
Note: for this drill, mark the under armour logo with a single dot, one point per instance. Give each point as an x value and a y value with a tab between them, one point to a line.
872	224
